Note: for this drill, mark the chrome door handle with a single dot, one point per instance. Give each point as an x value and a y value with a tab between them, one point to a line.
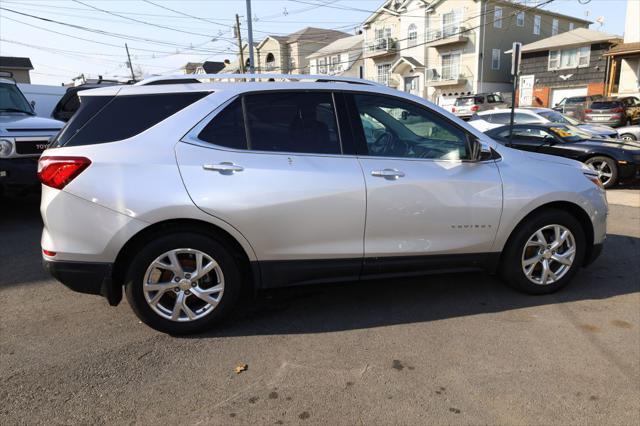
224	168
389	174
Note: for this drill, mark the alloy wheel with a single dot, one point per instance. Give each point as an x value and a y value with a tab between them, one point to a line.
548	254
603	170
183	285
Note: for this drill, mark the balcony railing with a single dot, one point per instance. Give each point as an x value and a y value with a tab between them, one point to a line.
380	46
448	75
449	35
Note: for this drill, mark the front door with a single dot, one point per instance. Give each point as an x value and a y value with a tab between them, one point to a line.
271	165
424	196
411	85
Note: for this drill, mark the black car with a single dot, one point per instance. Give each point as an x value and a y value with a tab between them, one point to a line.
614	160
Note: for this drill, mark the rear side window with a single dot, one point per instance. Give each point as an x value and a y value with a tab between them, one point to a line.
120	117
302	122
226	128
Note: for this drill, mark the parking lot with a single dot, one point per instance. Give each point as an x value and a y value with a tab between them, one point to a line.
442	349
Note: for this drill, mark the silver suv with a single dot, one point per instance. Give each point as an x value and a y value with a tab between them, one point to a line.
187	194
23	136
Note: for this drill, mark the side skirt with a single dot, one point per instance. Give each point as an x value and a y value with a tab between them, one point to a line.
285	273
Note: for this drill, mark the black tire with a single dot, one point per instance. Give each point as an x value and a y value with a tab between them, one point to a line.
612	166
213	247
511	269
628	136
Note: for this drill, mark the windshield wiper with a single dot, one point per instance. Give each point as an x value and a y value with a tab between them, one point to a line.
16	110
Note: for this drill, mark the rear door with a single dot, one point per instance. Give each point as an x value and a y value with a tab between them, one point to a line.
423	195
271	164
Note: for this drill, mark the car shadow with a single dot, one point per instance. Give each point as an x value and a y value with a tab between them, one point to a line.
352	305
369	304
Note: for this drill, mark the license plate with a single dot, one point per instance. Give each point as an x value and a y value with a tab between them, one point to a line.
601	118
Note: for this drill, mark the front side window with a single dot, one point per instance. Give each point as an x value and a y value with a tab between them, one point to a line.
495	59
497	17
301	122
526	134
395	128
537	21
520	19
12	100
554	27
412	35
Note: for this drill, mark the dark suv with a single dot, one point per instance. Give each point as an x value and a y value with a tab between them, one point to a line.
614	112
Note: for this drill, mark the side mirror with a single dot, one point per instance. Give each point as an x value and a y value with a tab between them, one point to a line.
33	104
404	115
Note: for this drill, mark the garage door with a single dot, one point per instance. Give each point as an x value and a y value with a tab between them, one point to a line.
559	94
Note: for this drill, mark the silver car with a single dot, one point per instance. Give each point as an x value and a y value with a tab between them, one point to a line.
186	195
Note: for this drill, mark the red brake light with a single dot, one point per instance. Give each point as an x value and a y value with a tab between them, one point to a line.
57	172
588	111
619	109
453	109
475	108
49	253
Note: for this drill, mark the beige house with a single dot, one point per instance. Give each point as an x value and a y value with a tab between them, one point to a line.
18	67
441	49
625	57
342	57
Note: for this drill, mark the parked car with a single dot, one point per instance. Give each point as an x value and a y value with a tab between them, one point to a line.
614	161
23	136
203	191
629	133
495	118
575	106
617	112
465	106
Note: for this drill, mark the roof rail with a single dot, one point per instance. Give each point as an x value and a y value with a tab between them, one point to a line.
256	77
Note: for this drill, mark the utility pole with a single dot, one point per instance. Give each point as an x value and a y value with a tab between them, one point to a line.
133	76
239	44
250	37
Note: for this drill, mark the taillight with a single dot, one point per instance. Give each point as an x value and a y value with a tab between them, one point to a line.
475	108
588	111
453	109
619	109
49	253
57	172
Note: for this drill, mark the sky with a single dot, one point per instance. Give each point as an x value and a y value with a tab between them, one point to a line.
162	35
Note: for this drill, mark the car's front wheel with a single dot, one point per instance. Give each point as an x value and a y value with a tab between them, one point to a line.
628	137
606	169
183	283
544	253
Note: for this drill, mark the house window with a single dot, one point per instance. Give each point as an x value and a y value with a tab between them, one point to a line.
571	26
569	58
383	74
322	66
451	23
382	35
554	27
271	61
412	35
497	17
537	21
520	19
495	59
335	61
450	66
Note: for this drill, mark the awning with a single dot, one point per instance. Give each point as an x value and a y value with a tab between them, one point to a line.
624	49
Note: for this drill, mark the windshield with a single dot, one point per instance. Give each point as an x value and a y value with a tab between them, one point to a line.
556	117
570	133
12	99
576	100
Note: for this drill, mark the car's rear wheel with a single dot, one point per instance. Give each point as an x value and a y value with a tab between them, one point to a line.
628	137
544	253
606	169
183	283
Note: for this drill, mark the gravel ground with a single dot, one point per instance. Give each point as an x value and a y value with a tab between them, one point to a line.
442	349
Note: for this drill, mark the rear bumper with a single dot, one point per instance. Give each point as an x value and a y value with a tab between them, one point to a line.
86	277
19	171
612	123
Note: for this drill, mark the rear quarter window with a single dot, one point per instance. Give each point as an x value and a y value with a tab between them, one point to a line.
108	119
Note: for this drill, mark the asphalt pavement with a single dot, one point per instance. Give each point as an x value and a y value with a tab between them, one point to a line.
441	349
